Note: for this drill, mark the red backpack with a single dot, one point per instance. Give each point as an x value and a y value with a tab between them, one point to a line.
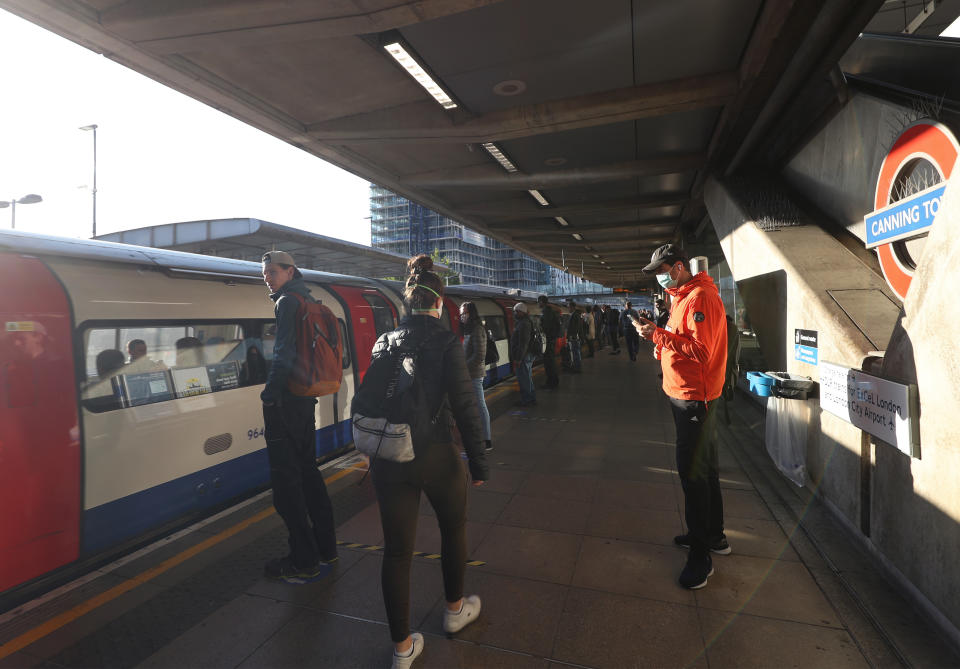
318	369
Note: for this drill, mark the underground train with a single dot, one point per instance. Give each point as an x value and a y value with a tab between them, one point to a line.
100	452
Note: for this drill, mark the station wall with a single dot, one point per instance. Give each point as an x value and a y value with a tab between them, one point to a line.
905	510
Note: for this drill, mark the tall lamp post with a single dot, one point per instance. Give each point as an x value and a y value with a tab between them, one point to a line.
32	198
93	127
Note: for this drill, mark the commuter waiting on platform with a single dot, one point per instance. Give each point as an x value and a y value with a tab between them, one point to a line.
693	353
627	318
589	331
575	337
436	467
299	492
613	328
475	351
522	354
550	323
662	313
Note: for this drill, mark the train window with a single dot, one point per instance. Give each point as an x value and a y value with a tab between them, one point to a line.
143	364
382	313
497	325
346	342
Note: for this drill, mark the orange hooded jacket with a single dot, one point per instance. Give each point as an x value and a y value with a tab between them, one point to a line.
693	345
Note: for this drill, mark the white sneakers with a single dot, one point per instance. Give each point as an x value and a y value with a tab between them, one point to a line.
452	623
405	661
469	610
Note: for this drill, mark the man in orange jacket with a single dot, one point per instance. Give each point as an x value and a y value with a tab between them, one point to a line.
693	352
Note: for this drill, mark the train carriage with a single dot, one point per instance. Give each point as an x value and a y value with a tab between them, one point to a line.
100	452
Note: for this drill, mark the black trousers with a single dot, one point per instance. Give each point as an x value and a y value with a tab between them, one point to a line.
614	339
550	364
633	343
699	468
438	472
299	493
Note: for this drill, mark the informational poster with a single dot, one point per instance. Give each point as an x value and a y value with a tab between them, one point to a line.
190	381
224	375
885	409
146	388
806	347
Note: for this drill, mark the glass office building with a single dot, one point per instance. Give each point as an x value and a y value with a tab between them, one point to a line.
405	227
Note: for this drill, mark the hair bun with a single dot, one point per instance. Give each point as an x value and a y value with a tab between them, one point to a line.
419	264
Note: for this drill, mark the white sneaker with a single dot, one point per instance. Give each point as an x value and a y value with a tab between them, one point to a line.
469	611
405	661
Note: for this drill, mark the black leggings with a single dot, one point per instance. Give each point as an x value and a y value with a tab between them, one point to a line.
437	471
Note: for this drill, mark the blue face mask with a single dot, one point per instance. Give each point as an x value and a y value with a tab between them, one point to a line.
665	280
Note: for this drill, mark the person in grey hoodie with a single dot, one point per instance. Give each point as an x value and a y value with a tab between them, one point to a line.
475	350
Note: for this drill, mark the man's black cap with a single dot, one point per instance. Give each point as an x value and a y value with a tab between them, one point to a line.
668	253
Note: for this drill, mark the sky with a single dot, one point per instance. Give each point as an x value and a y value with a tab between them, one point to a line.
162	157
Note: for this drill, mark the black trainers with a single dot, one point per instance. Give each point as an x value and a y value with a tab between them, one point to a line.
696	572
283	569
720	546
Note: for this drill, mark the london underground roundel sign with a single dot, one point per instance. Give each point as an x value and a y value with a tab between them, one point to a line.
909	217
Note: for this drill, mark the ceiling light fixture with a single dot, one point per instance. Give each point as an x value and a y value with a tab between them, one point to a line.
497	154
577	236
538	196
510	87
561	220
596	256
417	71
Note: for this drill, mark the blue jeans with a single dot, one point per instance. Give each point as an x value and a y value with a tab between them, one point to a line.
482	407
525	379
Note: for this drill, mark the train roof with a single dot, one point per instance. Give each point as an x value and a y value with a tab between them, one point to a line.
176	262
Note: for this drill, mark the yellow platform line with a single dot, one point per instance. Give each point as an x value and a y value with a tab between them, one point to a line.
78	611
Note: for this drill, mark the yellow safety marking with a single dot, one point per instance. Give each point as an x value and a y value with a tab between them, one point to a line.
68	616
78	611
425	556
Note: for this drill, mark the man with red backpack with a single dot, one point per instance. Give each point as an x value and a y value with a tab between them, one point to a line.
299	493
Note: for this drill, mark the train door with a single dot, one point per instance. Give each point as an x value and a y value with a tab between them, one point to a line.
39	437
371	314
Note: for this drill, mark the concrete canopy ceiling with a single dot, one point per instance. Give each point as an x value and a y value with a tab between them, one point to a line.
615	110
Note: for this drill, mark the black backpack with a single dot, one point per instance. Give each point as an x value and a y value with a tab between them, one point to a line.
493	355
390	389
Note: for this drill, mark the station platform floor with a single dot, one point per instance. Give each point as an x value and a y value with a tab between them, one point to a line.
572	555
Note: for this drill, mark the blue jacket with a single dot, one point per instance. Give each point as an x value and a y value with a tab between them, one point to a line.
285	345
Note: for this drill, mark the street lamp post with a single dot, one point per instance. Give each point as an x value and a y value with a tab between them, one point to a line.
93	127
32	198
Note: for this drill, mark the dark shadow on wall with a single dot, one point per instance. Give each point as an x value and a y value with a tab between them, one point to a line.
765	297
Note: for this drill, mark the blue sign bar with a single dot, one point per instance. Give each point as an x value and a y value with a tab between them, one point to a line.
805	354
905	218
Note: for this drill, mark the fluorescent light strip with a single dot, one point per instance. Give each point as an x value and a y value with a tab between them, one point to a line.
577	236
561	220
497	154
596	256
415	70
538	196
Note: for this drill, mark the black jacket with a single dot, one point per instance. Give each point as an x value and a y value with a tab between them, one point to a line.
442	369
285	344
475	349
550	323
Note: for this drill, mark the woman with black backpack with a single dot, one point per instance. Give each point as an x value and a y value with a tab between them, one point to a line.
475	351
441	387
